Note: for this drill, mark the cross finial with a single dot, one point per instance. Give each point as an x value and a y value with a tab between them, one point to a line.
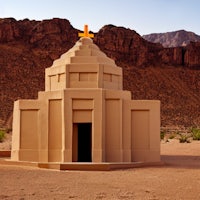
86	33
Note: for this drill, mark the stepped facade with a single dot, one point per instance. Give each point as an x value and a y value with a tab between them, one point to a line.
84	115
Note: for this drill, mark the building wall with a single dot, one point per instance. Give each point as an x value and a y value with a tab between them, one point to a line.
123	130
84	106
142	118
113	136
85	86
26	125
86	75
55	131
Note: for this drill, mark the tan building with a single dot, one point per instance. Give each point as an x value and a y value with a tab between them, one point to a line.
84	115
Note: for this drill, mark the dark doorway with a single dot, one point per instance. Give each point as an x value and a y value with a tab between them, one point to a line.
84	142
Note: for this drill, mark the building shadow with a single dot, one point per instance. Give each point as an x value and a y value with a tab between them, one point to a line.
181	161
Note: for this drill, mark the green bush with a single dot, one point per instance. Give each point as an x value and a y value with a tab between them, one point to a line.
162	135
195	133
2	135
184	138
173	135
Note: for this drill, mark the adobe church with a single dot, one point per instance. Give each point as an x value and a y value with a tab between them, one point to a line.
84	116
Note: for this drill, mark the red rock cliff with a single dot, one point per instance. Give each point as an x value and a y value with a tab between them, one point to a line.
150	71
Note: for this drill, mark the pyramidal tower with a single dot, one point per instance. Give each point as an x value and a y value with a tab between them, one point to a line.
84	119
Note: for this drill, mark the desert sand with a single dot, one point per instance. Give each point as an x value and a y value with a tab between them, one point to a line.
178	178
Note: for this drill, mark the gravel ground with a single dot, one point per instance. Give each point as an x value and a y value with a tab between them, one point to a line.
178	179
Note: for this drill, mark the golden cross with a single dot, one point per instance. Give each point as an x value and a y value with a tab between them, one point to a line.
86	33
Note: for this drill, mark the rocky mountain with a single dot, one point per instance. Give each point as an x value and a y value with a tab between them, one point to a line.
173	39
171	75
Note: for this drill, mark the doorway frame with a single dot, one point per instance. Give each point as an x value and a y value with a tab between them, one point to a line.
75	142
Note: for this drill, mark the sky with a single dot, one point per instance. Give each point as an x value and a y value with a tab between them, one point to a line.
143	16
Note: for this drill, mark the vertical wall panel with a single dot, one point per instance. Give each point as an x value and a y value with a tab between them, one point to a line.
55	130
113	131
29	129
139	131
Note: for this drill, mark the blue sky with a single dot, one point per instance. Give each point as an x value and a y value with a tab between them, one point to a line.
143	16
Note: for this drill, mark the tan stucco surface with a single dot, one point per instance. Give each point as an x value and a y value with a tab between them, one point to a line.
84	90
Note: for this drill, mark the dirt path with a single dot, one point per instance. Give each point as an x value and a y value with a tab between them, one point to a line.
178	179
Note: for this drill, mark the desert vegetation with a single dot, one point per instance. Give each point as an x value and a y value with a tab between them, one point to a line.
185	135
2	135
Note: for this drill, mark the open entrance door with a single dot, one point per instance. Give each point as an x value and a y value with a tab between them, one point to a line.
82	142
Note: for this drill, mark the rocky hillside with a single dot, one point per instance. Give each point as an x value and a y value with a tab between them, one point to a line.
173	39
171	75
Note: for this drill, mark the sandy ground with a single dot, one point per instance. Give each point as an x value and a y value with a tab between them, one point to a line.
178	179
